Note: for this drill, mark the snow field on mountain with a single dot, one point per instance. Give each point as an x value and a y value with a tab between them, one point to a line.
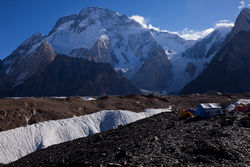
19	142
181	77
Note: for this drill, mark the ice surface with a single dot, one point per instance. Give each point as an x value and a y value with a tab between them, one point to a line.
22	141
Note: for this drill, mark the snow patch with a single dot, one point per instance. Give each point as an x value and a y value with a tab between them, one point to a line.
87	98
123	70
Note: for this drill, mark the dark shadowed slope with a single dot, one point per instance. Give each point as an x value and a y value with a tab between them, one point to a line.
18	67
155	73
1	64
67	76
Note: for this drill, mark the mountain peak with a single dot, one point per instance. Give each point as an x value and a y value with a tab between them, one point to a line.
243	21
245	10
91	10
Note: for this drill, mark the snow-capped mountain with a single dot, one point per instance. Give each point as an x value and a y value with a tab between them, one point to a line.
137	52
41	135
190	63
102	35
126	41
171	43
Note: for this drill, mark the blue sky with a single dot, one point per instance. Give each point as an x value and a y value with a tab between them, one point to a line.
21	18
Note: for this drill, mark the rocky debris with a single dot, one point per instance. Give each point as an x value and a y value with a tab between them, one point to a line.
17	112
161	140
245	122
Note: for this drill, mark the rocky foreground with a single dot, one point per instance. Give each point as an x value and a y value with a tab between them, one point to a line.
161	140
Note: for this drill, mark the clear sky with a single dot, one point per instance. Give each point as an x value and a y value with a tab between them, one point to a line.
19	19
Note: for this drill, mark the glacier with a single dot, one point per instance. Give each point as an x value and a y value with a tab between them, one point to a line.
199	56
19	142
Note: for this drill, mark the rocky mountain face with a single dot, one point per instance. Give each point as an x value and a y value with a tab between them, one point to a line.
242	23
186	66
155	73
229	71
209	45
1	64
67	76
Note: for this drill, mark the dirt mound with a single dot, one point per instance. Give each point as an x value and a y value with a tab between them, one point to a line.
25	111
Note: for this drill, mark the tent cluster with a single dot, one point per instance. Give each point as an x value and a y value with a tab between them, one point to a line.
242	105
204	110
207	110
243	108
